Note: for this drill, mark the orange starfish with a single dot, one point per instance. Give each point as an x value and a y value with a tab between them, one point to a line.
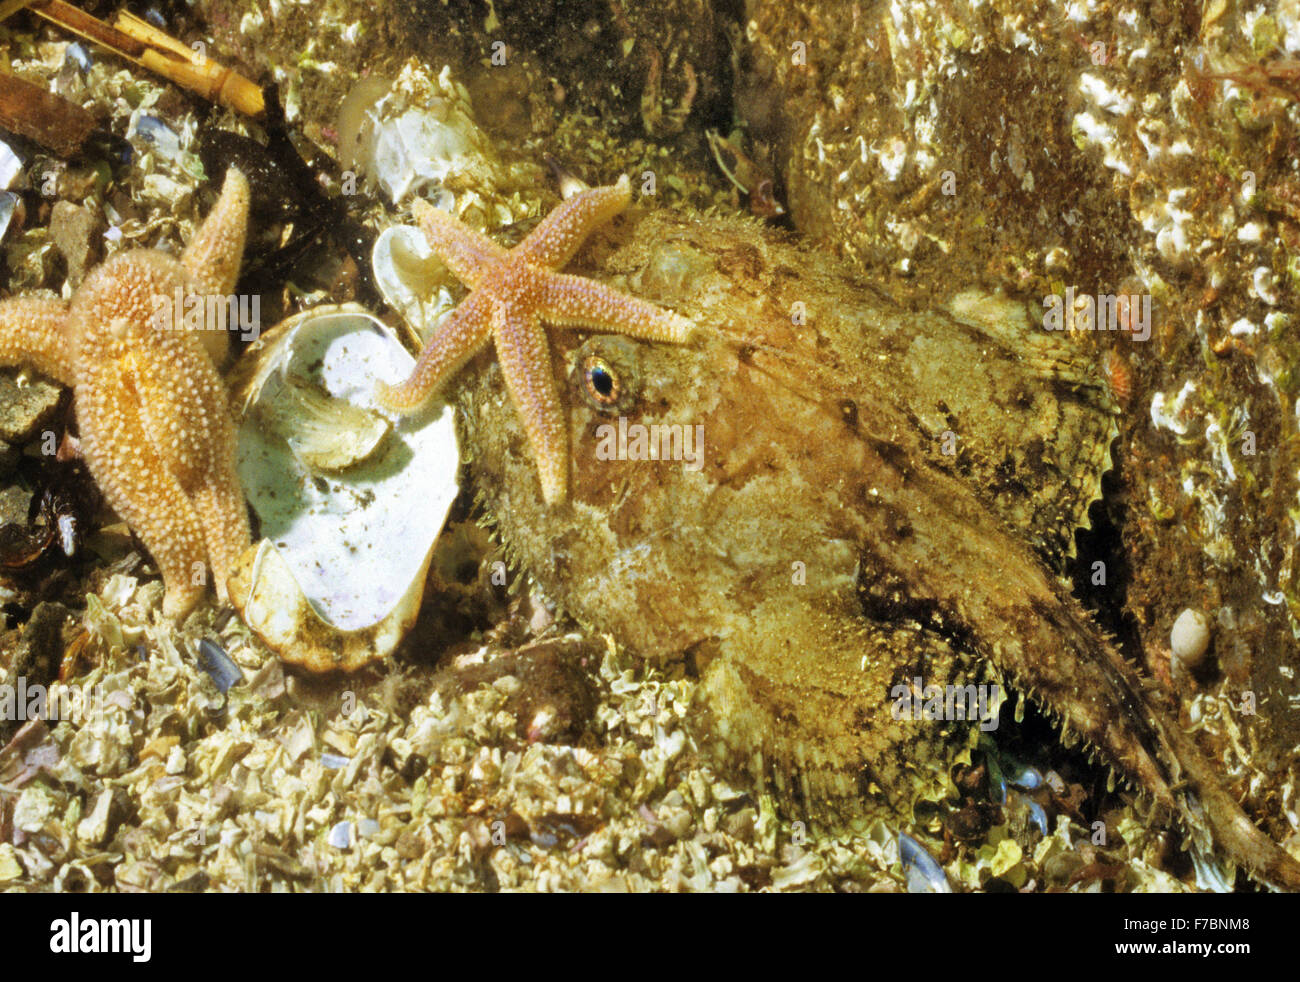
512	293
154	416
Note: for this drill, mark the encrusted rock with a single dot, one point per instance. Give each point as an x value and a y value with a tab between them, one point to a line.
76	233
25	408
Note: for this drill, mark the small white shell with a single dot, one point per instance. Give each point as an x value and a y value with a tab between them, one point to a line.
1190	637
411	278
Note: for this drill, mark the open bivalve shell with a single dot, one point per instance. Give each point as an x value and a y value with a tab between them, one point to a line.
351	498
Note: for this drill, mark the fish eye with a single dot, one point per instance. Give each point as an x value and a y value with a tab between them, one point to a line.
602	382
604	373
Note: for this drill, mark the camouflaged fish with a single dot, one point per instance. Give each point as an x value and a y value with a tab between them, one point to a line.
881	495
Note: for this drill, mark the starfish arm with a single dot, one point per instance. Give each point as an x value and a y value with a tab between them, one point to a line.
467	252
185	409
525	357
131	354
212	258
553	243
574	301
156	424
144	492
154	415
462	335
219	504
33	331
211	261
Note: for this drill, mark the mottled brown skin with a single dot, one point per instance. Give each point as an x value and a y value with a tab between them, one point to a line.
824	447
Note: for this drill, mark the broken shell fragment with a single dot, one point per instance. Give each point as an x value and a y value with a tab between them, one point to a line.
268	596
341	836
11	167
10	204
411	278
325	434
350	499
225	673
922	872
413	135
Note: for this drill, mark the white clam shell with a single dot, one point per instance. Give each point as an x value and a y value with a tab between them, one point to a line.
350	517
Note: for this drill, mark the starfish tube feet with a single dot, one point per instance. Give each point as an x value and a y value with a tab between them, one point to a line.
465	332
522	345
151	501
33	331
572	301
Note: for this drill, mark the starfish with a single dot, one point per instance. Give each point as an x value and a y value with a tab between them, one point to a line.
512	293
154	415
